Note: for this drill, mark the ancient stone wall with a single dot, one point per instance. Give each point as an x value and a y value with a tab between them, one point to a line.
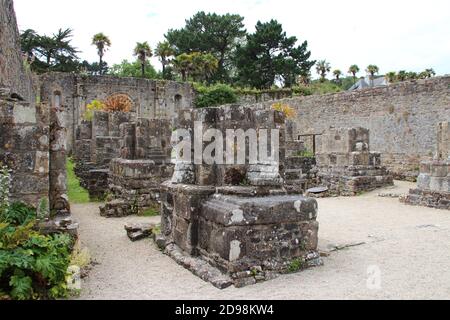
433	183
150	98
24	148
13	74
401	118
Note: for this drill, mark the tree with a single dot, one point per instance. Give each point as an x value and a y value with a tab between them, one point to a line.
322	68
337	74
143	52
412	75
164	51
213	33
353	70
428	73
203	66
102	43
372	70
270	55
402	75
184	65
391	77
305	79
50	53
93	68
133	69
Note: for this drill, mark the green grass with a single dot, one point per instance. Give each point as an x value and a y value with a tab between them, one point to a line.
152	212
76	193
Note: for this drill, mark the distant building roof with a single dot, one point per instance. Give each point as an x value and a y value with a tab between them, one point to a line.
368	83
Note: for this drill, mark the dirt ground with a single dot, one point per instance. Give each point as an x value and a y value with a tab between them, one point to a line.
387	251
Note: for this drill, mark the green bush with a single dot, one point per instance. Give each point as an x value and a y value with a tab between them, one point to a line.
32	265
305	154
216	95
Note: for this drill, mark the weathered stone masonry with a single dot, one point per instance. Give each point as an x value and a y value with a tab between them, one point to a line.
433	183
230	232
32	135
151	98
401	118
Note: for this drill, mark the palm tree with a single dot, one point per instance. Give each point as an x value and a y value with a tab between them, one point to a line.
372	70
353	70
183	64
102	43
204	65
337	73
143	51
323	67
402	75
412	75
164	50
391	77
430	73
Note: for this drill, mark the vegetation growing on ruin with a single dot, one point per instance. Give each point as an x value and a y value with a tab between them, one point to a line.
216	95
114	103
32	265
95	105
77	194
296	265
305	154
288	111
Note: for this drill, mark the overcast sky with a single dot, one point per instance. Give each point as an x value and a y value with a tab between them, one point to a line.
394	34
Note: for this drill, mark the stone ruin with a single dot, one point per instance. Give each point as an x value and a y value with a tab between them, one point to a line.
97	143
32	134
144	164
345	164
433	183
236	224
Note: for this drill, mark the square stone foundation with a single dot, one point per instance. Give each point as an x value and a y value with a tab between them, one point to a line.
246	236
433	186
345	164
135	186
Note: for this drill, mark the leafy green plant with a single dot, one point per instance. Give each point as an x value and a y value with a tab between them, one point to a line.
5	183
32	265
305	154
216	95
295	265
95	105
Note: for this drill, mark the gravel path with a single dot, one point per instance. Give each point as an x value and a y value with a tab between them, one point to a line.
408	246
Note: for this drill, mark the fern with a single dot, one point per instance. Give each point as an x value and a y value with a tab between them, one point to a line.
22	288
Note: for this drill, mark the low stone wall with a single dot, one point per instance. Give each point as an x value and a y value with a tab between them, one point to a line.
433	183
300	173
401	118
135	186
24	148
345	164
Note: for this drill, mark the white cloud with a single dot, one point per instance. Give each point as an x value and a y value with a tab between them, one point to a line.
411	35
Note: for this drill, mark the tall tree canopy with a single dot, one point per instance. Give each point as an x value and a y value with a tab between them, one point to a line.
270	55
164	51
209	33
50	53
133	69
102	42
143	52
